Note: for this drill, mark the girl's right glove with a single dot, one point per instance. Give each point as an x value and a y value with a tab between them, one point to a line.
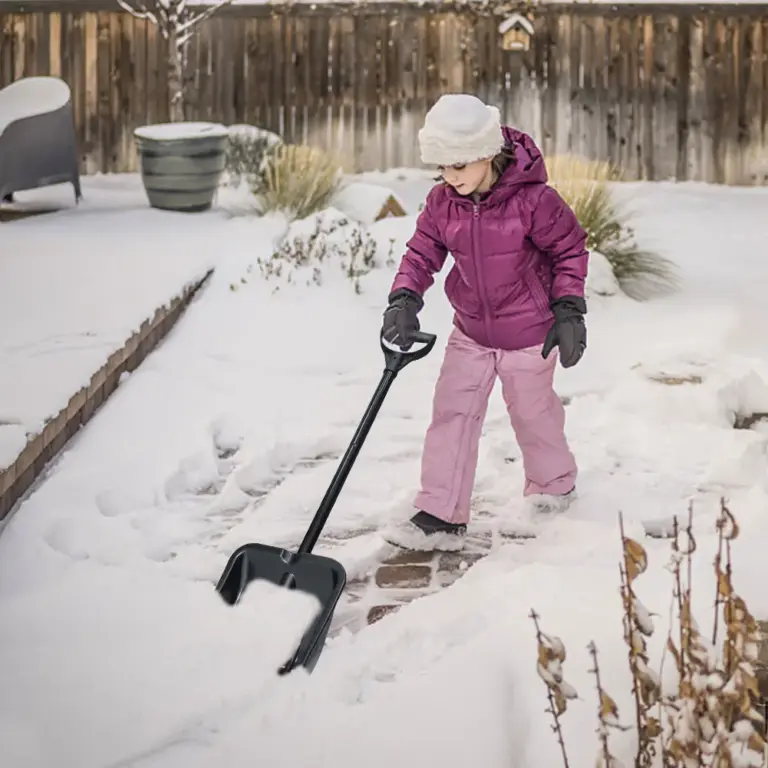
400	318
568	332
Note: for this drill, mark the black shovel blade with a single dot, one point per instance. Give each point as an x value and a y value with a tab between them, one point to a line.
320	576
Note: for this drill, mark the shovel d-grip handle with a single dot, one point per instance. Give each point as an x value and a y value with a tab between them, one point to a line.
397	359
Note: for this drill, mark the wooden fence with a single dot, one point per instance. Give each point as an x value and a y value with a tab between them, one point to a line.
665	91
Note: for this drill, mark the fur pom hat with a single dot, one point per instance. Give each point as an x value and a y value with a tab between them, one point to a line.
460	128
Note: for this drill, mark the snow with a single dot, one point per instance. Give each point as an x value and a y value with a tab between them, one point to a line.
54	262
515	20
363	201
601	280
31	96
541	2
180	131
253	132
230	432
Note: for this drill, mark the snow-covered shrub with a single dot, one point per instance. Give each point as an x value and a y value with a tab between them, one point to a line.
248	149
298	180
326	239
711	717
601	281
584	185
746	400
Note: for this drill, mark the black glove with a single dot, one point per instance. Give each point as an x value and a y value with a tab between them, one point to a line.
400	318
568	332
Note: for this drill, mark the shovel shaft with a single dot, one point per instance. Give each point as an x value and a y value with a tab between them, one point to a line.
347	461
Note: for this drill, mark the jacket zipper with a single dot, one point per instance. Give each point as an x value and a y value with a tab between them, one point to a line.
479	271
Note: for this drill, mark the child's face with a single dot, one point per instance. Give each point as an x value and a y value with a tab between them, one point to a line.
468	178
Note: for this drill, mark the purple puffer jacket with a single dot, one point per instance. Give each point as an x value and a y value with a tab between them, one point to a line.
514	251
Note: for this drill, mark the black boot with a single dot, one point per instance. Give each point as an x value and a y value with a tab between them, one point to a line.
429	524
427	533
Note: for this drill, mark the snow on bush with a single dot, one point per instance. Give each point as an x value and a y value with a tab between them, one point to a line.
710	717
324	240
601	281
392	235
746	400
584	185
248	150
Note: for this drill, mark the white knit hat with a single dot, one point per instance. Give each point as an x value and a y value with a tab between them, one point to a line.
460	128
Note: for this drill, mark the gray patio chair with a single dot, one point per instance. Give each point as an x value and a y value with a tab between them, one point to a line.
38	146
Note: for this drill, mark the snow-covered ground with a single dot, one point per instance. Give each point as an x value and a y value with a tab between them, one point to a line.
115	649
73	289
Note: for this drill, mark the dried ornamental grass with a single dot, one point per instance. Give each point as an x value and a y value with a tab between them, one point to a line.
583	184
298	180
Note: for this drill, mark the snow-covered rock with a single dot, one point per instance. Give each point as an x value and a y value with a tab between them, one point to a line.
367	203
745	397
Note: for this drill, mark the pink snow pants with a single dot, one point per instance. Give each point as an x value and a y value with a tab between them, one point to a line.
463	388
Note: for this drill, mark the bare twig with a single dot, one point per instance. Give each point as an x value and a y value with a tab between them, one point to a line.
551	654
601	713
638	624
139	10
187	27
718	567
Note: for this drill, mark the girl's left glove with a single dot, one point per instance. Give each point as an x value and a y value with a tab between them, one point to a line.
568	332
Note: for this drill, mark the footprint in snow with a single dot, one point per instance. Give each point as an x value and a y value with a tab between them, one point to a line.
117	502
235	484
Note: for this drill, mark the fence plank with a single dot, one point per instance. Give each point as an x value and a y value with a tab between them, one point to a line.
756	101
664	91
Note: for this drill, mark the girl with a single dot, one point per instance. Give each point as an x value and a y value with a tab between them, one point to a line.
517	290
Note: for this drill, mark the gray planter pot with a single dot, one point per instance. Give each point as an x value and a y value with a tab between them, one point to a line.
181	164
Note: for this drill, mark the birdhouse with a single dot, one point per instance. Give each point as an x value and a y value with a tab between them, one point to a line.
516	32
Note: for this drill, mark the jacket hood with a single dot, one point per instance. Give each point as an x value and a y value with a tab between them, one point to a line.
529	166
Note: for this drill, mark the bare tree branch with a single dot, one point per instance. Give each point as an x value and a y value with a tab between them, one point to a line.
193	21
177	25
140	12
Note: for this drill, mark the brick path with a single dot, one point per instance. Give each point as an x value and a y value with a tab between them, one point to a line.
404	576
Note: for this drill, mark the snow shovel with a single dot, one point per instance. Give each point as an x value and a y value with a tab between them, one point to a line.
320	576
